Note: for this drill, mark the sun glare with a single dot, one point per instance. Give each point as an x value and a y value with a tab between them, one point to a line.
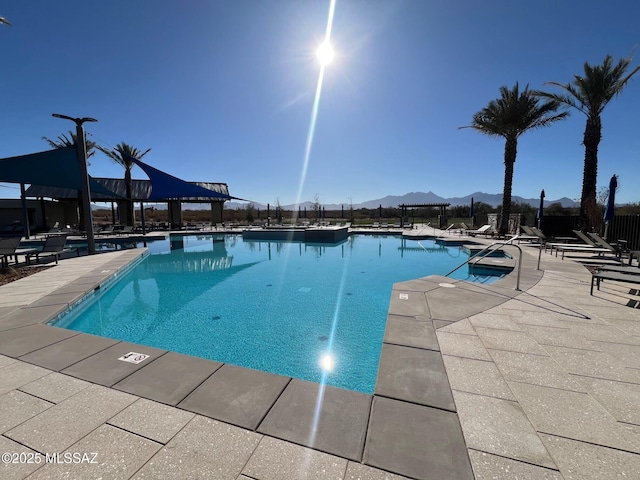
325	54
327	363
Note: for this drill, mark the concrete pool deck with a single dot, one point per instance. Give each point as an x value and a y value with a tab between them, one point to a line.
474	380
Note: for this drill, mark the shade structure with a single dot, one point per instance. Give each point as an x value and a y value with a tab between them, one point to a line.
611	201
540	212
52	168
164	185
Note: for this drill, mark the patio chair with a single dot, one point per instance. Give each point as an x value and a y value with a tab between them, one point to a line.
54	245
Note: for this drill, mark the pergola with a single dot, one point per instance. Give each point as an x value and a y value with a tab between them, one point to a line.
405	206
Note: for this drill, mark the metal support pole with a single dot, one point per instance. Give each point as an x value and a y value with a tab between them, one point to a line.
25	211
144	225
84	177
86	193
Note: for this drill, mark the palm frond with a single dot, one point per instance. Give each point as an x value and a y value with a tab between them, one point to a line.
4	21
63	141
515	112
121	153
591	92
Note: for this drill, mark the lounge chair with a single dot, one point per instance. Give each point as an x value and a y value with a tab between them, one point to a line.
597	278
55	230
8	247
527	234
108	230
620	269
588	243
601	242
564	248
483	230
375	225
462	228
590	247
54	245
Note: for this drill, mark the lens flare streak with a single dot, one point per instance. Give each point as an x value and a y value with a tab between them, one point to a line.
314	110
328	358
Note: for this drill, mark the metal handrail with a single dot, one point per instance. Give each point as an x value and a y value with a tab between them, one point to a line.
488	250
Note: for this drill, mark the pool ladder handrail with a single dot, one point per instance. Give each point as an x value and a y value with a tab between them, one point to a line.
479	256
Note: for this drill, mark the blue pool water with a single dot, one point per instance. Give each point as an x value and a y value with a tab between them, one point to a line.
289	308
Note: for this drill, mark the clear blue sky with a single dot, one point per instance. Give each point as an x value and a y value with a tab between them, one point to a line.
223	91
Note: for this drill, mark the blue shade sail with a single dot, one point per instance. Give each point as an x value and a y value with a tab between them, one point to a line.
53	168
165	186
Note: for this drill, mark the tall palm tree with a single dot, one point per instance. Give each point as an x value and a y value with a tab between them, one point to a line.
589	94
122	154
63	141
510	116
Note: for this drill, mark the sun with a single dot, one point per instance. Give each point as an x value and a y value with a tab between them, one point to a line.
325	54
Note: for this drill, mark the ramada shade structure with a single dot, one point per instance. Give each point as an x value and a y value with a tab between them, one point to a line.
57	174
58	170
55	168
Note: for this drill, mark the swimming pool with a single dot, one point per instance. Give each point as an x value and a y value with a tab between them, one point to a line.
295	309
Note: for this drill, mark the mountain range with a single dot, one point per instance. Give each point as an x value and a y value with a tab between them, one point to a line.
493	199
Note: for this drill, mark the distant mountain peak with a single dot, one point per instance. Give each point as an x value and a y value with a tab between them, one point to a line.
412	198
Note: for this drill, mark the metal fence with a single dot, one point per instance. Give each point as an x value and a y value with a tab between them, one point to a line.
622	227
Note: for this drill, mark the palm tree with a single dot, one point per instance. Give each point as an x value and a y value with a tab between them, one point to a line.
589	94
509	117
122	154
63	141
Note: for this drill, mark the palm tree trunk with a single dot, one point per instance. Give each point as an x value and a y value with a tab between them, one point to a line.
510	152
592	135
128	185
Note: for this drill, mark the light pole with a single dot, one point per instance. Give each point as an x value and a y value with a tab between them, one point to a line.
84	174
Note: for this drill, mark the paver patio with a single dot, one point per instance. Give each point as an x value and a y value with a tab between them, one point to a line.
475	381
